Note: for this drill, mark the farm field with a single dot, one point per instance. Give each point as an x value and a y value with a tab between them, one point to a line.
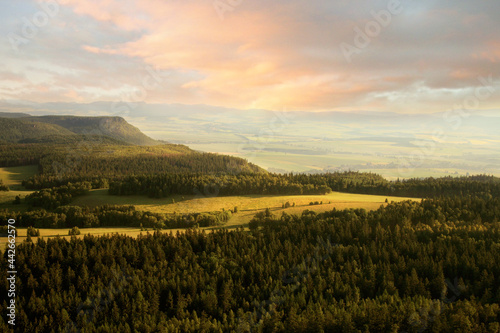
248	206
196	204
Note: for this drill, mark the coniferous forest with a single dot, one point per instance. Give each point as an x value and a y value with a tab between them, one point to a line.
406	267
429	265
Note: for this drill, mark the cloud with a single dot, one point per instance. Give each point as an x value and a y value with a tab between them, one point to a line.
262	55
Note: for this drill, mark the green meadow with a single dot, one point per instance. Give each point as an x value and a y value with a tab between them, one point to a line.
247	206
13	177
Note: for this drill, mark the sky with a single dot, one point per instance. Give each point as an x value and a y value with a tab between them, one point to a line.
315	55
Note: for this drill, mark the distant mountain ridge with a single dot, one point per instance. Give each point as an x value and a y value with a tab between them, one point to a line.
114	127
26	128
13	115
19	129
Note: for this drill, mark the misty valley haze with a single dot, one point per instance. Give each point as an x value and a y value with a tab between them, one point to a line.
455	142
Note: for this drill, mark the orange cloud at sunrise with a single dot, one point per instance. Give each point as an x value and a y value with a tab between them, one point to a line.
284	54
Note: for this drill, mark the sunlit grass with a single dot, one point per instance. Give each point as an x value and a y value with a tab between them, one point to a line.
13	176
194	204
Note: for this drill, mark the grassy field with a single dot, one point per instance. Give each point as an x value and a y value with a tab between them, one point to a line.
248	206
195	204
13	177
63	233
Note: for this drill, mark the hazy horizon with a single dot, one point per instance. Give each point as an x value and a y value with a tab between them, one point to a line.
292	86
391	144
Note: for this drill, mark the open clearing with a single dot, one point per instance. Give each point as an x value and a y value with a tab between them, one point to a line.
196	204
63	233
248	206
13	177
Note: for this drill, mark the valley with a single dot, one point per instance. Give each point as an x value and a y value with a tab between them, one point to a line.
223	234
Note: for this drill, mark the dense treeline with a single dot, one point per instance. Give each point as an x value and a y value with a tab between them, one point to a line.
148	164
153	170
369	183
113	216
51	198
33	151
100	159
441	213
406	267
55	171
291	184
449	186
238	184
21	154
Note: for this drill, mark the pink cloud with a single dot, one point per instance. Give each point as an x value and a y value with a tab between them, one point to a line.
282	53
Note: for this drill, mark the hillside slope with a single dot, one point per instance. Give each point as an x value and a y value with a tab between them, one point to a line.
15	130
49	128
13	115
114	127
